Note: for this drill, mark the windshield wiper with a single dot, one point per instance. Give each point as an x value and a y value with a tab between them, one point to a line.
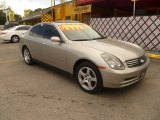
82	39
90	39
99	38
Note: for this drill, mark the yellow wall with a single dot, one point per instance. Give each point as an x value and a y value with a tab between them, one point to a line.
61	12
64	10
57	10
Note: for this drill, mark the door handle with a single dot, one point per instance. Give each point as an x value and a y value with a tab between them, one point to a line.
44	43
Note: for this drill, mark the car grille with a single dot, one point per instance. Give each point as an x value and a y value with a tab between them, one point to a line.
136	62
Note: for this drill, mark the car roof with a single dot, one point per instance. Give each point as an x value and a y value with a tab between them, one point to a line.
66	21
60	22
23	26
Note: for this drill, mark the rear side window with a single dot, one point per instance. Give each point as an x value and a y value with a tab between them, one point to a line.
50	31
23	28
36	31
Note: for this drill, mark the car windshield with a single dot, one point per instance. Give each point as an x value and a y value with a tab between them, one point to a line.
80	32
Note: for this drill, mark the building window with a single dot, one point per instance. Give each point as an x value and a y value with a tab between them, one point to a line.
68	17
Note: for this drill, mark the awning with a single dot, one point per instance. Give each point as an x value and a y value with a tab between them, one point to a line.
121	4
36	15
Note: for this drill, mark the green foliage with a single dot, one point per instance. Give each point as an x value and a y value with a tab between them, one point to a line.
17	17
35	11
2	17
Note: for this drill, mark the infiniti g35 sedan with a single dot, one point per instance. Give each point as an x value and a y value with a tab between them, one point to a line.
94	60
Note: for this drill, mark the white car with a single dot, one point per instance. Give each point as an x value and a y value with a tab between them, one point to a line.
13	34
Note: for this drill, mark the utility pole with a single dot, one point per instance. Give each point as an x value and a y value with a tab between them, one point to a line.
134	7
52	3
5	9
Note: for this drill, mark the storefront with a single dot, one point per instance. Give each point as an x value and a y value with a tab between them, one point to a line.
83	13
120	8
35	18
64	11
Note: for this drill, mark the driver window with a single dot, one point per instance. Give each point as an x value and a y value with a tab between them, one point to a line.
50	31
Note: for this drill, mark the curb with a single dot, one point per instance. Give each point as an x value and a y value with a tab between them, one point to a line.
155	56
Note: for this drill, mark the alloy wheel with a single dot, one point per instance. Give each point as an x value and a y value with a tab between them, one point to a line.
26	55
87	78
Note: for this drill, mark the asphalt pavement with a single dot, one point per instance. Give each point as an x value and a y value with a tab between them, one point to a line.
40	93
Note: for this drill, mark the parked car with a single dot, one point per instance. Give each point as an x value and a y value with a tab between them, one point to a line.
13	34
94	60
12	24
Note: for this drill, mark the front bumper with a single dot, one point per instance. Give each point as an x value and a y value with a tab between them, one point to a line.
122	78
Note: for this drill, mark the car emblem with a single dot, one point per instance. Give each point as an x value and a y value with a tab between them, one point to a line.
142	60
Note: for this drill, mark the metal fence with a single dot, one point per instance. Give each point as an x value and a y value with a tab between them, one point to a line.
144	30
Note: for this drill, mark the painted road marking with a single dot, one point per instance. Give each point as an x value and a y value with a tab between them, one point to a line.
10	61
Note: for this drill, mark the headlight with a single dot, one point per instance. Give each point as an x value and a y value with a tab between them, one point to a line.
113	61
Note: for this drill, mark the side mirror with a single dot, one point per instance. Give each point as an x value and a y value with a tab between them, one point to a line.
55	39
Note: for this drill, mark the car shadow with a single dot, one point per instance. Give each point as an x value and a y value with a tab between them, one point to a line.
7	42
55	71
4	42
69	78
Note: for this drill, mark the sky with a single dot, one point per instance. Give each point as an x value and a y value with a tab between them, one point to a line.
18	6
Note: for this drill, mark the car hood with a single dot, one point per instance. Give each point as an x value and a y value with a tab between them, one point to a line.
123	50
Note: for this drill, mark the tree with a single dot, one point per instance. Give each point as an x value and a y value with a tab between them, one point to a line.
31	12
2	17
17	17
35	11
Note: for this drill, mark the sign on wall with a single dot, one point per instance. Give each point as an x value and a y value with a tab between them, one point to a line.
11	16
82	9
26	13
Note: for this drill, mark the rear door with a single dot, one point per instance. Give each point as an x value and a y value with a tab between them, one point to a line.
35	41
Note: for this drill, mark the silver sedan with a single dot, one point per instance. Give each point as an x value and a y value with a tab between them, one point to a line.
94	60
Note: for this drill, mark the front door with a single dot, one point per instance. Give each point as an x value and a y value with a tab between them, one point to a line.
54	53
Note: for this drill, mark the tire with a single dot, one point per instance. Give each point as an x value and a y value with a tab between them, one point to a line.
15	39
27	56
89	78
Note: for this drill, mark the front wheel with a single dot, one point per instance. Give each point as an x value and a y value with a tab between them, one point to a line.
89	78
27	56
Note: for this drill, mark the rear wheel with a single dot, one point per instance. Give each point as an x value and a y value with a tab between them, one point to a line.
15	39
89	78
27	56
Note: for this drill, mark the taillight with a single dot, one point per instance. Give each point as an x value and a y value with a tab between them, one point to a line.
2	33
